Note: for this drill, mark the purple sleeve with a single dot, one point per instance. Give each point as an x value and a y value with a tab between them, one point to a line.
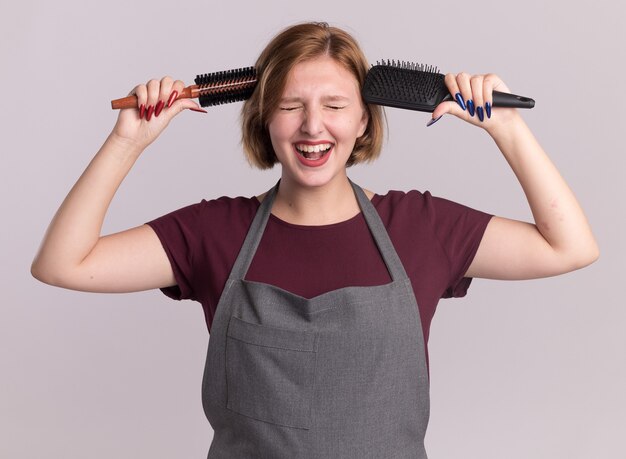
202	242
178	233
459	229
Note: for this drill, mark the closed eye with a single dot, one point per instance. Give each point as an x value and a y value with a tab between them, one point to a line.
289	109
335	107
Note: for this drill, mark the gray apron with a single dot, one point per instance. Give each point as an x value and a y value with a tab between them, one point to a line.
340	375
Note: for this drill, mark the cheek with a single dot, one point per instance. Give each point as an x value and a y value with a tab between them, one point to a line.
273	129
352	128
363	122
280	133
363	126
354	124
281	129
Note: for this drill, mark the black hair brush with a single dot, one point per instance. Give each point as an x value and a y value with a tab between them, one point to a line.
211	88
419	87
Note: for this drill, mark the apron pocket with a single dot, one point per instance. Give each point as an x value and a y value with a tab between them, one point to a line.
270	373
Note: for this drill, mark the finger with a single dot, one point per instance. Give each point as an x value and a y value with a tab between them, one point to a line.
177	89
165	89
185	104
489	83
444	108
453	87
476	83
459	87
141	92
465	88
153	97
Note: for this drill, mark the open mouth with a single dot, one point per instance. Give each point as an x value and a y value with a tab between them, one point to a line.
313	152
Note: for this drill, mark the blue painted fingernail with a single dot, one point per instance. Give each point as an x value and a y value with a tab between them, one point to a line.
488	109
459	99
433	121
481	113
470	107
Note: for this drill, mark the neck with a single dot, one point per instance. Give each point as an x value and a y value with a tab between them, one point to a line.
331	203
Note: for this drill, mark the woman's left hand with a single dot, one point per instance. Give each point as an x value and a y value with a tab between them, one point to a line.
472	96
560	239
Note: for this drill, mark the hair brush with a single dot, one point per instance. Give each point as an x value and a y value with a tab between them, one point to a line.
211	88
419	87
394	84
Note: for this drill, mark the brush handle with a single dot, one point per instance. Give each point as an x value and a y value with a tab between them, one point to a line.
504	99
131	101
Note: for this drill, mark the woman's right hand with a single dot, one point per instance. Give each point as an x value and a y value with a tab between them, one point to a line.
157	104
73	253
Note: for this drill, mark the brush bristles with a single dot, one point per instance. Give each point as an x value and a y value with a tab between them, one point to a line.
404	85
409	65
226	86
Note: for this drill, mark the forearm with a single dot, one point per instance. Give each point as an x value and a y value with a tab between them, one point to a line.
556	211
75	229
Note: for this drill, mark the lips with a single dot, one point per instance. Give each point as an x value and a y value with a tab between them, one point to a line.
313	155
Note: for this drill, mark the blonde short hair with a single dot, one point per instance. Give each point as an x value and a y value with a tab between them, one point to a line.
293	45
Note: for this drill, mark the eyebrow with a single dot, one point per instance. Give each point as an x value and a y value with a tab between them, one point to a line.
331	98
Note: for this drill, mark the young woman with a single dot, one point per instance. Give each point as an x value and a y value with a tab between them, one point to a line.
318	294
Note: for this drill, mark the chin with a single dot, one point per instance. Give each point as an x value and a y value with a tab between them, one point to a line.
317	179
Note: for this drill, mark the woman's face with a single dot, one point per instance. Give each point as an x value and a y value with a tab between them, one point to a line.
317	122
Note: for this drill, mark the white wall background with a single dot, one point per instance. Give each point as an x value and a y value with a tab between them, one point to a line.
523	369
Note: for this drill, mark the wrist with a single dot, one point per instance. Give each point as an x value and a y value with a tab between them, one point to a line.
122	147
505	127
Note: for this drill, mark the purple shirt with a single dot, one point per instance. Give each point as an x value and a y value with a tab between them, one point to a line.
436	240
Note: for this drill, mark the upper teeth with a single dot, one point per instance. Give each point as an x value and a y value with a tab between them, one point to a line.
313	148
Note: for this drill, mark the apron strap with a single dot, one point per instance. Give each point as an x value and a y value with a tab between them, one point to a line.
381	237
253	238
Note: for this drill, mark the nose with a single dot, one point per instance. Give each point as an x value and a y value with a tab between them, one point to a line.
312	122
